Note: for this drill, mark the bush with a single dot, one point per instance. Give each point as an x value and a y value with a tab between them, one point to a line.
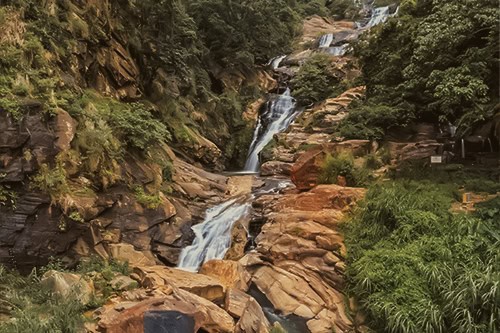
315	80
370	122
32	308
52	181
151	201
343	165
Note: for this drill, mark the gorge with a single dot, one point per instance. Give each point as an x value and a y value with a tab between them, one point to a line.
232	166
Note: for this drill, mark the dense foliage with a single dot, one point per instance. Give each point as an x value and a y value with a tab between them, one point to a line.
316	79
417	267
438	60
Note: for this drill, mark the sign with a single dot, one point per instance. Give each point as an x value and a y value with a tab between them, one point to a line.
436	159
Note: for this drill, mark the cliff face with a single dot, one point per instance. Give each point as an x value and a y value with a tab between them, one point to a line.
86	111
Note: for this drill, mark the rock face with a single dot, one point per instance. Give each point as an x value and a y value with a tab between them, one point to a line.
302	241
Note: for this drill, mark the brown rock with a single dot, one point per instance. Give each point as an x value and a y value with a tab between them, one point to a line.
69	285
252	319
275	168
127	315
230	273
65	129
126	252
236	302
202	285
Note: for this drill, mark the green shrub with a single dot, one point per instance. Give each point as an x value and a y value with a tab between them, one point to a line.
151	201
315	80
343	165
370	122
372	161
52	181
7	196
136	125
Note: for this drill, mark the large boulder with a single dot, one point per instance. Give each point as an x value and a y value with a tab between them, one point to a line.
69	285
126	314
230	273
202	285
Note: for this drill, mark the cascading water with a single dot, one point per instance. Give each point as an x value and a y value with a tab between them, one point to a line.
379	15
280	113
337	50
213	236
275	62
325	40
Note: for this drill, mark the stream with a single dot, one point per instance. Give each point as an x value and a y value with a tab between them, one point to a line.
213	236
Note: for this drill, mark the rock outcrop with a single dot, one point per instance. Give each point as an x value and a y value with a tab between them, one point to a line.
299	263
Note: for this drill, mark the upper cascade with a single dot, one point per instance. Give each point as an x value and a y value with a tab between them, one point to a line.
279	114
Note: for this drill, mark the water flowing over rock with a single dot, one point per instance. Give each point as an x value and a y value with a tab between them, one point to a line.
213	236
325	40
279	114
275	62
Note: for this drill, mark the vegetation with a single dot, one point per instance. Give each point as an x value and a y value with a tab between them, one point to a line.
417	267
343	165
437	61
32	307
315	80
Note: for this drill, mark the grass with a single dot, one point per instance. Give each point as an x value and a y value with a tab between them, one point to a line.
416	267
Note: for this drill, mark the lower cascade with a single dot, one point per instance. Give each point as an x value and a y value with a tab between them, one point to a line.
213	236
279	114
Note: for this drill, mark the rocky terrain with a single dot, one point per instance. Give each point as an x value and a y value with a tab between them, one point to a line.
79	180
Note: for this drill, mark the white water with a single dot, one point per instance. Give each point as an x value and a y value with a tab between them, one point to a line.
337	50
281	112
213	236
380	15
275	62
325	40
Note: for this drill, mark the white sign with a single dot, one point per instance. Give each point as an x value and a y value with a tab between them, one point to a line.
436	159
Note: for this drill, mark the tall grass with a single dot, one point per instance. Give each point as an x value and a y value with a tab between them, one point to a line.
417	268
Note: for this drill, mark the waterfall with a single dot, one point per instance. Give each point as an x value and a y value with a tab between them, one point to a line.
379	15
325	40
213	236
276	61
280	113
337	50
